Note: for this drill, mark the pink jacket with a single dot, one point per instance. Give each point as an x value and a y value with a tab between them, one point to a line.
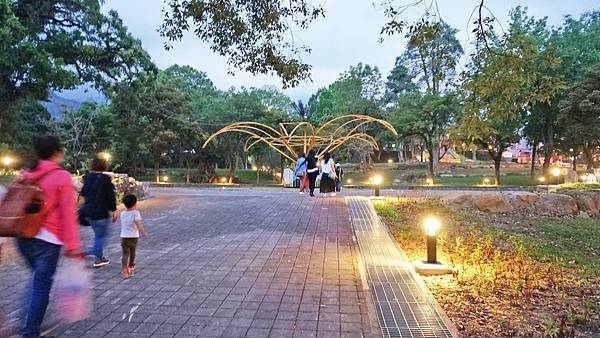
60	198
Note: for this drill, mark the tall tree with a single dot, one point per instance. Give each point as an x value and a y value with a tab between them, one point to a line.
399	81
502	83
431	55
580	116
59	44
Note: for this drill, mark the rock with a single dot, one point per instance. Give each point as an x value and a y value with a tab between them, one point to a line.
521	199
460	200
556	205
492	202
587	200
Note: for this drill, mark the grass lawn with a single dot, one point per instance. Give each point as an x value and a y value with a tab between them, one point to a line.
177	175
515	275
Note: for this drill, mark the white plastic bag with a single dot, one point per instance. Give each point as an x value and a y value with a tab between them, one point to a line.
73	290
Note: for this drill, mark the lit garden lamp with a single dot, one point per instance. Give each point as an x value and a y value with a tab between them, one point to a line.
556	173
223	180
429	181
486	181
377	181
390	161
431	266
432	224
165	179
349	181
7	161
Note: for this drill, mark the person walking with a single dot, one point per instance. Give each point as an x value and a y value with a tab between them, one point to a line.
59	228
312	171
100	201
339	173
300	172
328	175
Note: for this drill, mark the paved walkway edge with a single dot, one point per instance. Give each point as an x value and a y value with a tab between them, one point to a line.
402	302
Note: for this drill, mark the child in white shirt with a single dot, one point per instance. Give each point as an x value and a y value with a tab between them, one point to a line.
131	227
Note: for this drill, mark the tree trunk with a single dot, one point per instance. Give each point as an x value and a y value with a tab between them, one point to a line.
548	136
533	155
589	157
187	171
474	154
400	150
497	160
433	151
574	162
157	169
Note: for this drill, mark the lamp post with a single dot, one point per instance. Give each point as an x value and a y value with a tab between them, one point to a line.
432	224
377	181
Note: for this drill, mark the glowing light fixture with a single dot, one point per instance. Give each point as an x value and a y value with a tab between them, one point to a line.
432	225
486	181
390	161
377	181
7	160
556	172
165	178
542	179
429	181
349	181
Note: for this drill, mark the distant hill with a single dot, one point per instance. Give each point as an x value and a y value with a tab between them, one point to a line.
70	100
57	105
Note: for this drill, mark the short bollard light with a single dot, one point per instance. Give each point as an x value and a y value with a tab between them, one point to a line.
542	179
429	181
432	224
165	179
486	181
556	172
7	161
377	181
390	161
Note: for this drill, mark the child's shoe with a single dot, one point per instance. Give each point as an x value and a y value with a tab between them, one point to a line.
127	274
131	268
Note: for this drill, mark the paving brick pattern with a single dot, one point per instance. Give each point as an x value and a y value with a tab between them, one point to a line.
237	263
403	306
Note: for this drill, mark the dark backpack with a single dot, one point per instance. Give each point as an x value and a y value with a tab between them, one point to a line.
21	210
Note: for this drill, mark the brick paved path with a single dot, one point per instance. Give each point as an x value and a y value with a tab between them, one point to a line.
238	263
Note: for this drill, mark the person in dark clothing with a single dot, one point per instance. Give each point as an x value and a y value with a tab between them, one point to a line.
100	202
312	170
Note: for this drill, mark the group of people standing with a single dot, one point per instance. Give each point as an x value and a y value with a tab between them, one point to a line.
309	169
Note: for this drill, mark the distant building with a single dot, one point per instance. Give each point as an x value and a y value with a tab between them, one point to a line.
521	152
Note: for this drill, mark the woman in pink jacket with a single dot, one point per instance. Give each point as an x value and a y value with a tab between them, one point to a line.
59	229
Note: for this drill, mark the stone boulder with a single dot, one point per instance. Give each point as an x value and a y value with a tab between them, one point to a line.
587	200
556	205
520	200
458	200
492	202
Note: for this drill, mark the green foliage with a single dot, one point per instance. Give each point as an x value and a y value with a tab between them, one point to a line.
580	113
60	44
251	34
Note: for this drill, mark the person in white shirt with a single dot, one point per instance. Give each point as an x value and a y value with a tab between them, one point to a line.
328	175
131	227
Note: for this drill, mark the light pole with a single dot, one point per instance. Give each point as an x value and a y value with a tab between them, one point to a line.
377	181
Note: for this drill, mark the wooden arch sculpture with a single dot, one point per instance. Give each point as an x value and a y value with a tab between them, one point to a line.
292	136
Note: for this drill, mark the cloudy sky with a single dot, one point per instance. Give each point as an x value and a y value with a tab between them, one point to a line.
346	36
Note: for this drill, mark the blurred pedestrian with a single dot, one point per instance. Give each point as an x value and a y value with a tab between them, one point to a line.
300	172
59	228
339	173
328	175
312	171
100	202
